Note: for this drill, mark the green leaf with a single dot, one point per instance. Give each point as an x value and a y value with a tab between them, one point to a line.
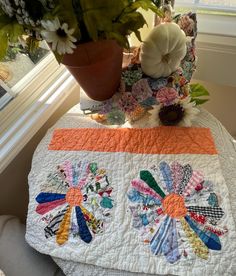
199	101
100	15
198	90
15	31
121	40
4	44
65	13
11	28
146	5
131	22
5	20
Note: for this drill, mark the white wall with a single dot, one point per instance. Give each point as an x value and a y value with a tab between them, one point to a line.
222	104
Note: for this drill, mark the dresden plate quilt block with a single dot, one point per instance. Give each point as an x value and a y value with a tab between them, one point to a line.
143	200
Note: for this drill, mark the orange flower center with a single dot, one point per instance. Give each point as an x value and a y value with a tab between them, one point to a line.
74	197
173	206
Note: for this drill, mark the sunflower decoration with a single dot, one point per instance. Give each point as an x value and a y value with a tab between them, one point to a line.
77	200
177	112
179	215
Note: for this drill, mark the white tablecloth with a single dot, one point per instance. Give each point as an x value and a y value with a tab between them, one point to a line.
225	144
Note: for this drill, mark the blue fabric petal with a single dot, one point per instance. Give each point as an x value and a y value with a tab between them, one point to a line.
166	174
136	196
48	197
144	219
160	237
170	246
211	240
84	232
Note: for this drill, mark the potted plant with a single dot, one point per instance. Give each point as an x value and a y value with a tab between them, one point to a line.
86	35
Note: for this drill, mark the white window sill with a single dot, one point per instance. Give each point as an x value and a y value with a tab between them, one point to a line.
220	25
26	114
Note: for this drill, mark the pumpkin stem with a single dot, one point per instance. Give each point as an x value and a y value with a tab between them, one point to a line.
166	58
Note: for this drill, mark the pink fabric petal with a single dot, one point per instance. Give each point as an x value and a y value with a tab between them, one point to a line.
68	170
195	180
142	187
43	208
177	174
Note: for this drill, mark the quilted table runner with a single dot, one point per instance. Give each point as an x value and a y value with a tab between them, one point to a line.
143	200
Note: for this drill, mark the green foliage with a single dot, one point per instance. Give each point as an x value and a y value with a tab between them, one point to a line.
115	19
4	44
90	19
157	3
99	16
197	90
10	30
199	101
65	12
32	44
12	52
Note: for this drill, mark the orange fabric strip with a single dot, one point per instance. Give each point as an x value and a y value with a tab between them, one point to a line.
160	140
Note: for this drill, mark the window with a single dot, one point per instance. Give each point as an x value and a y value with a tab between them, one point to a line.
36	95
17	67
215	17
210	6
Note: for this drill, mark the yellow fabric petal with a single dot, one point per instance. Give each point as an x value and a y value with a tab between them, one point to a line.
198	246
63	232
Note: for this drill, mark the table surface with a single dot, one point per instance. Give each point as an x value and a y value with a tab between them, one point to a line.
226	147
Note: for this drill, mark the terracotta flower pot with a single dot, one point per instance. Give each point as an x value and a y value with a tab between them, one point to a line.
97	67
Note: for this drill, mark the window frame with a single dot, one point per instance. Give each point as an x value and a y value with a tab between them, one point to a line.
41	93
213	24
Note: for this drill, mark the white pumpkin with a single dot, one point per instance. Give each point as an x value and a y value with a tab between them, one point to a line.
163	50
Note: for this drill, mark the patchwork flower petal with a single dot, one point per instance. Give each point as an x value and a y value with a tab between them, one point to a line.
83	228
166	174
147	177
170	246
54	224
48	197
63	231
177	175
198	246
160	236
210	239
43	208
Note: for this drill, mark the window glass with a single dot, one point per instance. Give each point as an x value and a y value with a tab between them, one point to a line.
16	65
209	6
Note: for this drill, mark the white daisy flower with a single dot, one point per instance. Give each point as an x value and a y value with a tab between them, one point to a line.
60	36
